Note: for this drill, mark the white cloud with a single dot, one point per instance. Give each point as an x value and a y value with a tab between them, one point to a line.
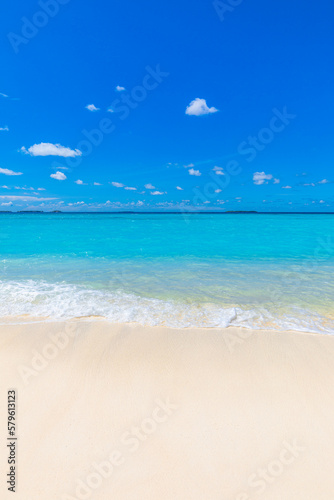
286	187
261	178
6	171
217	169
321	201
220	172
197	173
40	189
48	149
238	198
9	204
92	107
119	88
218	190
155	193
198	107
5	187
59	176
324	181
189	166
149	186
25	198
276	181
117	184
4	129
97	184
80	182
179	188
310	184
130	188
3	95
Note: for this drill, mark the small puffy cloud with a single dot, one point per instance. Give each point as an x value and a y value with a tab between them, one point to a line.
189	166
197	173
198	107
4	187
286	187
261	178
119	88
97	184
92	107
218	170
156	193
80	182
59	176
324	181
130	188
117	184
321	201
40	189
149	186
6	171
218	190
4	129
7	204
48	149
179	188
276	181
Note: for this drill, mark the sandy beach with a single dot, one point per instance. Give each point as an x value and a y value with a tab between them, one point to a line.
129	412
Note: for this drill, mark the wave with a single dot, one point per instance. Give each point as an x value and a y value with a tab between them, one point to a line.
62	301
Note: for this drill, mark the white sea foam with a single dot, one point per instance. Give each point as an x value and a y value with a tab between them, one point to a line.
63	301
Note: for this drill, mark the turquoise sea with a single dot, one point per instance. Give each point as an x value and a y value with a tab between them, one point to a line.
179	270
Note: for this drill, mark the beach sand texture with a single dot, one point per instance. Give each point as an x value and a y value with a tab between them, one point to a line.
128	412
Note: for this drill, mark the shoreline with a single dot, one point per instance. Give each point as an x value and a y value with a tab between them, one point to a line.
156	412
12	321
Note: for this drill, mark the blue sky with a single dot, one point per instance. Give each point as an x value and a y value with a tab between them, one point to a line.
201	105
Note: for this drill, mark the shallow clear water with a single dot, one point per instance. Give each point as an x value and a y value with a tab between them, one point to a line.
171	269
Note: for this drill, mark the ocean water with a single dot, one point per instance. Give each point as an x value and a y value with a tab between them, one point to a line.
178	270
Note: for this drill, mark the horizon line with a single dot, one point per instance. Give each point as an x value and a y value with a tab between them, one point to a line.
179	212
